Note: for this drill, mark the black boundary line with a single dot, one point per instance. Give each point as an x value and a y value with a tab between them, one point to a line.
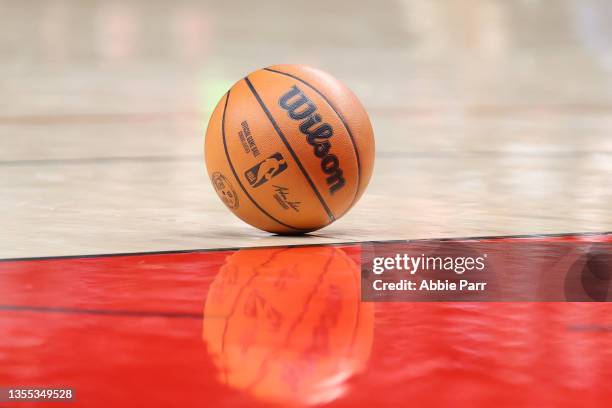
103	312
93	160
382	154
334	244
229	161
346	126
428	154
284	139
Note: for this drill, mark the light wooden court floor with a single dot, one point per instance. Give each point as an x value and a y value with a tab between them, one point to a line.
491	117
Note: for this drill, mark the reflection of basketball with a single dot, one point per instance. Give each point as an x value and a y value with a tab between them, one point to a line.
295	143
287	324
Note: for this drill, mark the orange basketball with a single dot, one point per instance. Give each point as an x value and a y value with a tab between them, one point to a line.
289	149
287	324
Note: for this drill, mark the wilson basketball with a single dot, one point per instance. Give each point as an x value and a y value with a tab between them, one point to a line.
286	324
289	149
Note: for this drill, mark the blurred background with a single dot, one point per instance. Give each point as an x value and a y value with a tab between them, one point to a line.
491	117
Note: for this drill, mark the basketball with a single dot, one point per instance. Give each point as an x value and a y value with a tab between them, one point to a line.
287	324
289	149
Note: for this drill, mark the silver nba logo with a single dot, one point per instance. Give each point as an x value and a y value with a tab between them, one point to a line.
265	170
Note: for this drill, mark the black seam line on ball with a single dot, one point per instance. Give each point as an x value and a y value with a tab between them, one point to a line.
236	175
346	126
284	139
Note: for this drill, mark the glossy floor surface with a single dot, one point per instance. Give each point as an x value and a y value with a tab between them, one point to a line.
491	117
285	327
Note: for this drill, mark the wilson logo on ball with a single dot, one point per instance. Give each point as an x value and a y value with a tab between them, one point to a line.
265	170
301	108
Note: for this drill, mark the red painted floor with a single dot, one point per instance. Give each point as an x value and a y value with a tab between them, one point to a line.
285	326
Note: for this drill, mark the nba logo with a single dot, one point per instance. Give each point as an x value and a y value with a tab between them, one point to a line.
265	170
